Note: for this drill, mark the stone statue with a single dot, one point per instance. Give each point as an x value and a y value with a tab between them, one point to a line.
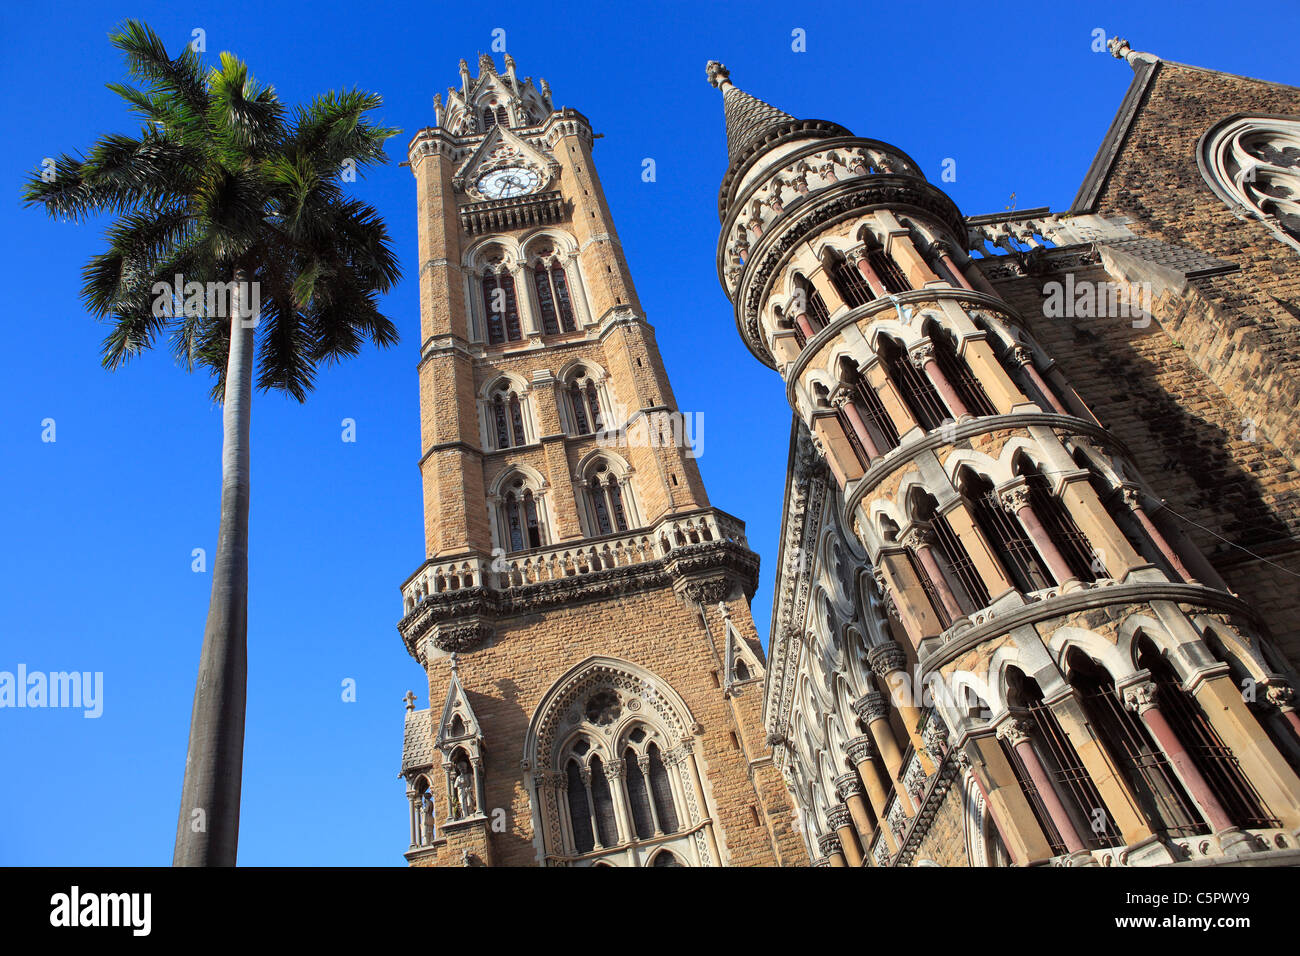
464	786
426	819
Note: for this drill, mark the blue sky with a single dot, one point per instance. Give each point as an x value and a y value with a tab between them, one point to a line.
101	523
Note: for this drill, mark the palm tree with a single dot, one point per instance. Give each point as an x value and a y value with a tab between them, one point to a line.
224	189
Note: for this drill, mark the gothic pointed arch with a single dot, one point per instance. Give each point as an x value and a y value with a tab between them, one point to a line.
611	761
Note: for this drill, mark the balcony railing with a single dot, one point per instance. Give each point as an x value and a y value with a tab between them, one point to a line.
572	559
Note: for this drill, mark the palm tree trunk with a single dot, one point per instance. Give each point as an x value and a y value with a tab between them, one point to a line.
207	833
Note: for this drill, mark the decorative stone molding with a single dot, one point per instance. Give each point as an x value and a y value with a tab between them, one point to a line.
461	635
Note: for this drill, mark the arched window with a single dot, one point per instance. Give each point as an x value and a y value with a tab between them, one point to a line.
847	279
1070	778
495	116
579	809
665	858
603	802
520	525
596	743
1085	563
553	299
638	795
808	310
916	390
742	672
1213	758
501	309
506	418
582	399
1011	545
963	380
951	555
661	791
607	507
1144	766
870	411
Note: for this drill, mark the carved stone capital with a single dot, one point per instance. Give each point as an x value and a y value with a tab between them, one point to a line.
920	354
829	844
860	749
1015	731
847	785
1281	696
887	658
838	817
872	706
917	536
1141	696
1013	499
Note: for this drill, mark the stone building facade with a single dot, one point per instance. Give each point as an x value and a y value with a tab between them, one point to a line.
1036	601
594	674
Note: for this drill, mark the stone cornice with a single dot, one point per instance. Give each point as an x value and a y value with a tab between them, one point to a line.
1082	600
906	453
683	567
965	299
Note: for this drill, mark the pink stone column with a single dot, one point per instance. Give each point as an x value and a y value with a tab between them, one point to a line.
1024	358
869	274
918	538
1132	498
1016	501
944	255
1141	697
845	401
805	326
1016	732
922	357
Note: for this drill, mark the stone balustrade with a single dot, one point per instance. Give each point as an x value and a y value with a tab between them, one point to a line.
571	559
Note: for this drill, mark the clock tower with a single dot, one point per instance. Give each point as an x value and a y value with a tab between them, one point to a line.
595	678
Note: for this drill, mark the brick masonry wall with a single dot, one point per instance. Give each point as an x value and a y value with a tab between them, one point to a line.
1250	347
660	632
1186	436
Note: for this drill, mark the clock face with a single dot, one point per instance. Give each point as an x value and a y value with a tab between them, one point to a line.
508	181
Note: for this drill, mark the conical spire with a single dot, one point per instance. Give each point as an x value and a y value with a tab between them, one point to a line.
749	119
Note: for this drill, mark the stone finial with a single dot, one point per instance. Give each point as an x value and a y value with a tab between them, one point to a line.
544	87
1120	50
510	62
485	64
717	74
455	663
410	700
